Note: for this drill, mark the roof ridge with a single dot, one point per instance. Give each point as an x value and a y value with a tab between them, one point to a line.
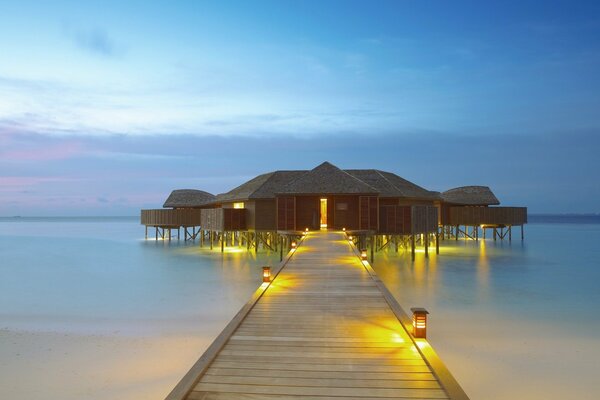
360	180
388	181
263	184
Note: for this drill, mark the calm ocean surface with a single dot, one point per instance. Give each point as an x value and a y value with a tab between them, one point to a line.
98	275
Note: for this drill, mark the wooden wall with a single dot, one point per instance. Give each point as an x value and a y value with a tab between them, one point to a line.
265	212
407	220
368	213
308	212
171	217
286	213
487	216
223	219
344	211
394	219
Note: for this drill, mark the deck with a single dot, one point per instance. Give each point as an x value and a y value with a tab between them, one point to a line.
326	328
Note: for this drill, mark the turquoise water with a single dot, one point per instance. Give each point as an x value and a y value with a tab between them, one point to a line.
511	320
554	273
100	275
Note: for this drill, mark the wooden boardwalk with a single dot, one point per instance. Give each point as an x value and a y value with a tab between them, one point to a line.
325	328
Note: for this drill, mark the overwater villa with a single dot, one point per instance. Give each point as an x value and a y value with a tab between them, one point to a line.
376	208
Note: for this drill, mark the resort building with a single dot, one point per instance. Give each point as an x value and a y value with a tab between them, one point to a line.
376	207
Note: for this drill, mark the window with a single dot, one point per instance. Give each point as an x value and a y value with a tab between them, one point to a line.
341	206
238	205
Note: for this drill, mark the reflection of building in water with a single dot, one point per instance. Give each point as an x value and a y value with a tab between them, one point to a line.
378	209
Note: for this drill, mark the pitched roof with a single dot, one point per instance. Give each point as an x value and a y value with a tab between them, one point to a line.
327	179
188	198
262	187
391	185
471	195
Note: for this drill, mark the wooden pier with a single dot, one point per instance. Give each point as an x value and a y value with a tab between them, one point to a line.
325	328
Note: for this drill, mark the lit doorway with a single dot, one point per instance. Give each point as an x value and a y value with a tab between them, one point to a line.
323	213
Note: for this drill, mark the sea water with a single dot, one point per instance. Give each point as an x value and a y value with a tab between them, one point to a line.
89	308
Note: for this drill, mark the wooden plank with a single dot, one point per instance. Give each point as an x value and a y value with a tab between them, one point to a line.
323	391
323	329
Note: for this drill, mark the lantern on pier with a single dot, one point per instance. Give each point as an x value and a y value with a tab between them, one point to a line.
419	322
343	229
363	254
266	274
306	230
349	238
294	245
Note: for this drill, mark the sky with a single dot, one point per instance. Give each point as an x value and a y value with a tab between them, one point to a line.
105	107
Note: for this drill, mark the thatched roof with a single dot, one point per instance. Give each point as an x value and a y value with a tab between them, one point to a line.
391	185
328	179
471	195
188	198
262	187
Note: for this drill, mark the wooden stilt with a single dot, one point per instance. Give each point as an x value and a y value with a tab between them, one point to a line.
456	236
437	243
372	251
280	248
156	232
495	233
510	233
222	235
412	247
211	238
426	245
255	242
522	233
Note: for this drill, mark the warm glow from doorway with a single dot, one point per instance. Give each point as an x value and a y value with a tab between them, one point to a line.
323	213
238	205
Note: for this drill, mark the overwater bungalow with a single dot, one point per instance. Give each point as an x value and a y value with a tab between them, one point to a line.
377	208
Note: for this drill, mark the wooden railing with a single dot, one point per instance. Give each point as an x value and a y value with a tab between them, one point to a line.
487	216
171	217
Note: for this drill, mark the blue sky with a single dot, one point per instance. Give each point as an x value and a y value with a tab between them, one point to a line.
105	107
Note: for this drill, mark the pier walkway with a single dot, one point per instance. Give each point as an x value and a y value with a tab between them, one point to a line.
325	328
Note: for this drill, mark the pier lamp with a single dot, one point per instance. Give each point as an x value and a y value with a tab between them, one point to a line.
419	322
306	230
363	254
266	274
293	245
343	229
349	238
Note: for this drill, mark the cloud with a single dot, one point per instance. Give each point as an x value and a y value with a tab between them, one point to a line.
95	40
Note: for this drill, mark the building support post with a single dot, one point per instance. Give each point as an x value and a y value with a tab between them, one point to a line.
522	233
146	231
222	241
372	247
426	245
412	247
437	243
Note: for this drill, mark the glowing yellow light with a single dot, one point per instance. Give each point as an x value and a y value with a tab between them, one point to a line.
238	205
294	244
266	274
363	255
350	238
419	322
306	230
344	229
